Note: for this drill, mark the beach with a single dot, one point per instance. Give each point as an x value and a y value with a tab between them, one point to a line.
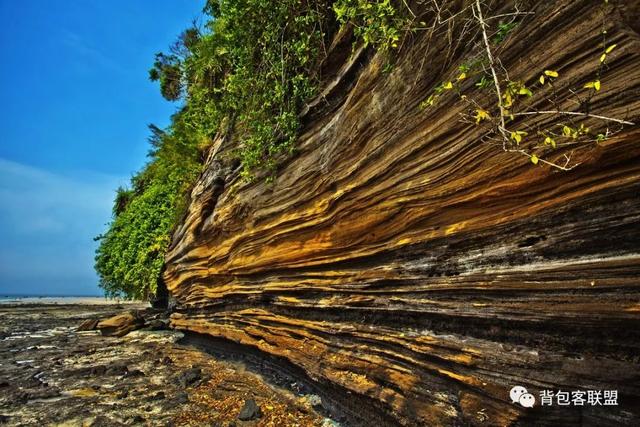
53	374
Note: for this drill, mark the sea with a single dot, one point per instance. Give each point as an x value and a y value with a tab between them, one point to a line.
61	299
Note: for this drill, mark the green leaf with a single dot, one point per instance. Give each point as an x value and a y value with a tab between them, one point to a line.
525	91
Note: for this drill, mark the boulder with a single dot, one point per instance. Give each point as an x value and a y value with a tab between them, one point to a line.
157	325
88	325
250	411
121	324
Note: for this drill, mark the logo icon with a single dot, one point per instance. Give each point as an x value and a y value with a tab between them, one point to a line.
519	394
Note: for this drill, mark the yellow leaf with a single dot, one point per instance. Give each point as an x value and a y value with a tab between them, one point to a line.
603	57
596	84
428	102
481	115
508	101
583	129
448	85
534	159
517	136
462	76
610	48
541	80
551	73
550	141
589	85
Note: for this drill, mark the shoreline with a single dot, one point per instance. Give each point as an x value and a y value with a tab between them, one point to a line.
52	373
63	300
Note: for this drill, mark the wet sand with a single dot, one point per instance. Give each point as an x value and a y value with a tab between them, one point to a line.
69	301
52	374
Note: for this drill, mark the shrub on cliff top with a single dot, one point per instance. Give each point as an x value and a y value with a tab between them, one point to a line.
252	64
131	253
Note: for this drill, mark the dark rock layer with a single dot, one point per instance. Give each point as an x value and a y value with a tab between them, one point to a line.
402	259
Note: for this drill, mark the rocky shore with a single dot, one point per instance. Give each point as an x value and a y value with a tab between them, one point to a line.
57	368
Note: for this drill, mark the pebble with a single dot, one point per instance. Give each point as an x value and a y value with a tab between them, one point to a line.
250	411
189	377
313	400
182	397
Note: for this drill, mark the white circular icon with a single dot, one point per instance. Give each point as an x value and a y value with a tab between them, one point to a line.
527	400
516	392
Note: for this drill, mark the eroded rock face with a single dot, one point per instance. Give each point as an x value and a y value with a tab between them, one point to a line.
401	259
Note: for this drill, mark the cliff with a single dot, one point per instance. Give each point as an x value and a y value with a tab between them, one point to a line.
413	270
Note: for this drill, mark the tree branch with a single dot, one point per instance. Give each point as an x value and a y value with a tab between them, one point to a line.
483	26
576	113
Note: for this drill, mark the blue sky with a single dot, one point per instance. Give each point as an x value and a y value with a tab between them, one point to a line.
76	102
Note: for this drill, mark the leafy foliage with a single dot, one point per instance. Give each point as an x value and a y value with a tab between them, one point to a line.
251	66
377	23
253	62
131	253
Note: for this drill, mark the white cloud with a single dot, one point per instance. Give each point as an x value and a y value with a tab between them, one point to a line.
48	220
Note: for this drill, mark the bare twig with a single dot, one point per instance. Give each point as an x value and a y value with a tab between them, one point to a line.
565	168
408	8
576	113
510	14
483	26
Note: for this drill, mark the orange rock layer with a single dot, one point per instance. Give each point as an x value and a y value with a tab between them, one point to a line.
401	259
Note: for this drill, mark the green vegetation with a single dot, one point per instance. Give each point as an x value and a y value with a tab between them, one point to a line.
249	69
376	23
254	62
251	66
131	253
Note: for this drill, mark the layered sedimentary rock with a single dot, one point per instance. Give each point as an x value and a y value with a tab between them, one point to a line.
402	260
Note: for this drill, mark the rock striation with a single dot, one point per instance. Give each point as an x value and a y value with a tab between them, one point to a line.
403	262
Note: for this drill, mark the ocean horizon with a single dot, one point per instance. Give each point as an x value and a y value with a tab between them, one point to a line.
39	296
63	299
